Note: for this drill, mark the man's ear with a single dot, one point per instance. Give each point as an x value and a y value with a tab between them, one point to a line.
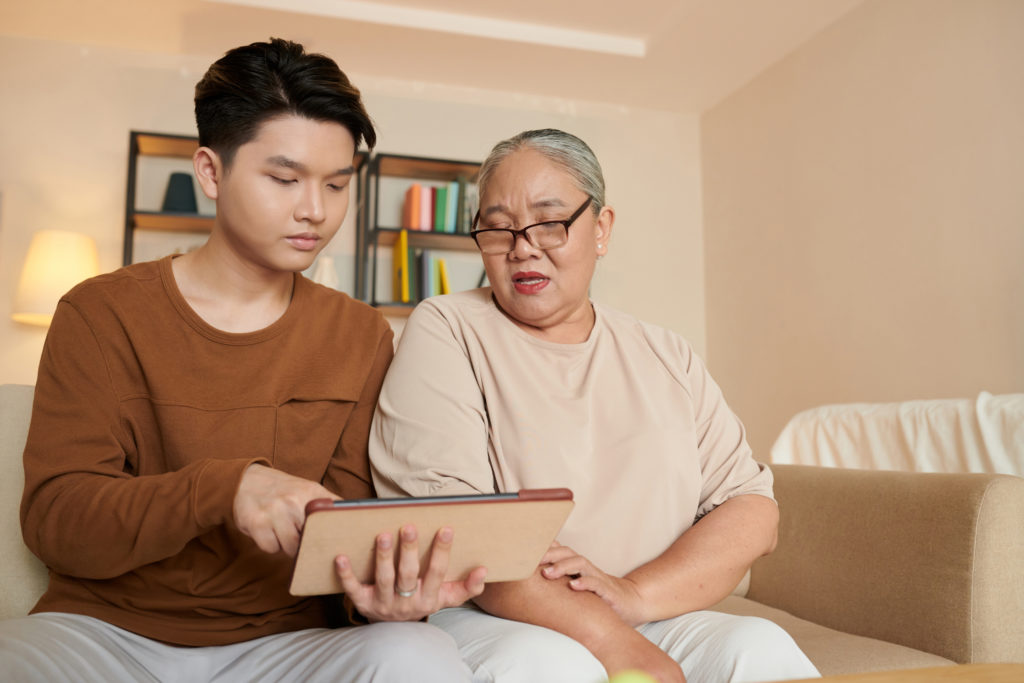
209	171
603	228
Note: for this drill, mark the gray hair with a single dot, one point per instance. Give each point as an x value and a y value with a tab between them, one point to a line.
562	148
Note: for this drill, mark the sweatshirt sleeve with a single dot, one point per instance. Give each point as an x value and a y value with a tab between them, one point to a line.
85	511
430	431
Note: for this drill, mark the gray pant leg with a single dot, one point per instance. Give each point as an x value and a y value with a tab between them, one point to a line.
398	652
69	648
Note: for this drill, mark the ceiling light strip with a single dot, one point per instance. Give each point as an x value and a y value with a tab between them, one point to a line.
465	24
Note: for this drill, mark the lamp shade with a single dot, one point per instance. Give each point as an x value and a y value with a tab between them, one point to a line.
57	261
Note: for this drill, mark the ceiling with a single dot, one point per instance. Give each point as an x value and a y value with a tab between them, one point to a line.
694	52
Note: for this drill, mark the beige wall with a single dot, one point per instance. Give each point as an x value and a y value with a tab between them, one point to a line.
68	107
864	214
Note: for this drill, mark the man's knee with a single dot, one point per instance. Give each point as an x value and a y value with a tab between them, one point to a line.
412	651
533	653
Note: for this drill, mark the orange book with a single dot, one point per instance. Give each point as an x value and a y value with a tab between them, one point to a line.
411	208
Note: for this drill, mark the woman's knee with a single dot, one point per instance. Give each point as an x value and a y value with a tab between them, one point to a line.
762	650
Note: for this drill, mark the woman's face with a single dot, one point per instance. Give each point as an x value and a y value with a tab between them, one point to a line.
544	292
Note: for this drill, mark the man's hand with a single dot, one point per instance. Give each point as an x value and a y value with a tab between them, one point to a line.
403	595
270	507
622	595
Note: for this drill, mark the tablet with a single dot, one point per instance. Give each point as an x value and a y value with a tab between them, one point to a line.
506	532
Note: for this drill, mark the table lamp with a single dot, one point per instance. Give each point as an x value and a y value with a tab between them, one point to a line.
57	261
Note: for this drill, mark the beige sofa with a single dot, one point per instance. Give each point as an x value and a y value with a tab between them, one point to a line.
874	570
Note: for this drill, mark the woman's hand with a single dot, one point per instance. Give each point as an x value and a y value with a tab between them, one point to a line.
403	595
622	595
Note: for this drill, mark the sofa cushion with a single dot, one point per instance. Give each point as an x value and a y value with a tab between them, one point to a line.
835	652
23	577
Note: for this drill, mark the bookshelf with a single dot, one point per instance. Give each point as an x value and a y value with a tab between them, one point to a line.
380	222
175	154
166	146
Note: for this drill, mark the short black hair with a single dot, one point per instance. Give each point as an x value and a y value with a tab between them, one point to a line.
254	83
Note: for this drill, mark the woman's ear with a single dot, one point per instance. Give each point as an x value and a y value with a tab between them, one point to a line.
209	171
603	228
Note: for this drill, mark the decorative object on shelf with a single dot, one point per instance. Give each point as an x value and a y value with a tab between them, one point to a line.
179	212
57	260
180	195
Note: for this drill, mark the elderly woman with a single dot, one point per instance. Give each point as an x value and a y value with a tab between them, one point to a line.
530	384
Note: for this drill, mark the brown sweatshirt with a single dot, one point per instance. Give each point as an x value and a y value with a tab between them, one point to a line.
145	418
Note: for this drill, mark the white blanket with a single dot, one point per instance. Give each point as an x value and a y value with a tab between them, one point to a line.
946	435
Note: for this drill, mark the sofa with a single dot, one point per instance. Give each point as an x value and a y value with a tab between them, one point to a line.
874	570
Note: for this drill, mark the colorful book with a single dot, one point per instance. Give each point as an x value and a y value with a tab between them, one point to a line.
426	221
460	206
400	266
411	207
442	272
440	208
415	291
451	206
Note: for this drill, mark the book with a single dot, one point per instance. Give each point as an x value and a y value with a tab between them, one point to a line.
415	291
442	272
400	266
469	207
452	195
460	205
425	257
426	221
440	208
411	207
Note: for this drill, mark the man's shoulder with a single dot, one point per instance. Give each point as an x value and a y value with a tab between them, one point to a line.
117	287
336	308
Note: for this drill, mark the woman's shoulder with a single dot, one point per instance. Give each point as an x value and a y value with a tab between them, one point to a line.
650	333
468	308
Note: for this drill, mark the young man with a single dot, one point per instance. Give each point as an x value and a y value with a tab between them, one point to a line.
187	409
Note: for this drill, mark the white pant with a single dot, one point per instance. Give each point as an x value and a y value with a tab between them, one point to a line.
710	646
55	647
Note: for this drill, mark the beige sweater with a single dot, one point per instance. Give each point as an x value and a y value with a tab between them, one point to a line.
630	420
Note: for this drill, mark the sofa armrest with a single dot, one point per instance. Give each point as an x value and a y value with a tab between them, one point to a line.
930	561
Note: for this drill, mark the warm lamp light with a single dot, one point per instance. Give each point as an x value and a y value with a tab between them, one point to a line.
57	261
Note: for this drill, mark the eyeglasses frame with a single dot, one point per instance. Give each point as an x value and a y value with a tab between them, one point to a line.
521	232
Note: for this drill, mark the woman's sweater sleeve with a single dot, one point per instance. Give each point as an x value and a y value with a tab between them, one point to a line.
430	431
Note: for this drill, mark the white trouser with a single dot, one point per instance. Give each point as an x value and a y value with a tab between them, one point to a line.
710	646
55	647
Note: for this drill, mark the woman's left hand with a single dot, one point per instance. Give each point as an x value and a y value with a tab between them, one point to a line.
621	594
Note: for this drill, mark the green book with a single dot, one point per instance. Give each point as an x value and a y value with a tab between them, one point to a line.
440	208
460	203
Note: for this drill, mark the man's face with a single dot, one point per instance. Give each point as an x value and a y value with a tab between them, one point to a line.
286	192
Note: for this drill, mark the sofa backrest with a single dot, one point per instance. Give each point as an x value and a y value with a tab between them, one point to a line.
23	577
